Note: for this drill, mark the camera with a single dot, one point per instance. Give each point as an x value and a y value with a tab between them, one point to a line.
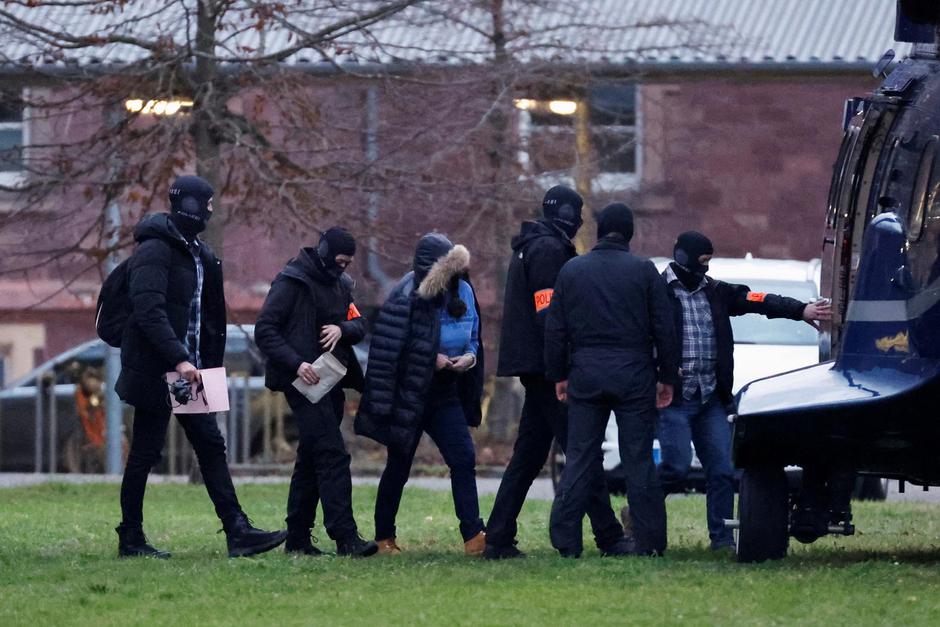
182	391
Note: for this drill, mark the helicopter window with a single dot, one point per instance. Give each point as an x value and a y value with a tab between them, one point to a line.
921	193
848	141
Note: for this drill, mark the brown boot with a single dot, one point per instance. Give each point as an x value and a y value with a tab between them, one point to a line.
476	544
388	547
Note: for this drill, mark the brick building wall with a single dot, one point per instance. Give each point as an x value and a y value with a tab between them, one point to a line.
745	159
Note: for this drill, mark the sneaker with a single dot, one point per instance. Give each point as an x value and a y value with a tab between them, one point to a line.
301	543
356	546
475	545
133	543
388	546
245	540
506	552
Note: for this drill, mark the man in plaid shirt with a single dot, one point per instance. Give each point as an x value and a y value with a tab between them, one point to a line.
702	308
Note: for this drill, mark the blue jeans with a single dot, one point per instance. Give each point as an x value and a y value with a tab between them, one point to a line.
706	425
444	421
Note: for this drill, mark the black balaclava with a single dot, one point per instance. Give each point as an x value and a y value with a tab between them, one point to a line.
189	205
615	218
334	241
689	247
562	207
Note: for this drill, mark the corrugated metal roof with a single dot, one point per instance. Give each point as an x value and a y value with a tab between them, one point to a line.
654	32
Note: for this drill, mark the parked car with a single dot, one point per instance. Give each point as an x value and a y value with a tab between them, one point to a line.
74	379
762	347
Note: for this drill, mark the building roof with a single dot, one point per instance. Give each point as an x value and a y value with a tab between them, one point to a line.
790	33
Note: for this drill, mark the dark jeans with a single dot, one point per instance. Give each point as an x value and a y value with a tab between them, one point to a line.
706	425
584	471
321	471
543	419
149	437
444	421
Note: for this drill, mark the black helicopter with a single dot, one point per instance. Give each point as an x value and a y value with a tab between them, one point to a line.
872	409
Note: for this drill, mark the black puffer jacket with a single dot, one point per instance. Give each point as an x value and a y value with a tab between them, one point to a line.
726	300
162	280
301	302
404	349
538	253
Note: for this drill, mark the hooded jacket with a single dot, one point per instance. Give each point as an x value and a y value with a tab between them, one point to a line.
404	349
161	284
538	253
302	300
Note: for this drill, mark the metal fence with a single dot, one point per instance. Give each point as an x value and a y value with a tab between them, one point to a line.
40	428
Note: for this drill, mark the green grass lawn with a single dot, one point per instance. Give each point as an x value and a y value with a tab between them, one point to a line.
58	566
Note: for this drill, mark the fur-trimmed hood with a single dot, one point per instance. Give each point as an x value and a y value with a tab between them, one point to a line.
438	278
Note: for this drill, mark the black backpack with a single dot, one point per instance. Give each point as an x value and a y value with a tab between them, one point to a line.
114	305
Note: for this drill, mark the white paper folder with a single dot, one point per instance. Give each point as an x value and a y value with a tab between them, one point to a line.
330	370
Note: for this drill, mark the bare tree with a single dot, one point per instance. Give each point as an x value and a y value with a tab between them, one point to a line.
398	116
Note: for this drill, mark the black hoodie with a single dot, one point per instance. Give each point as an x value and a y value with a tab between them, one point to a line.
538	253
162	280
303	299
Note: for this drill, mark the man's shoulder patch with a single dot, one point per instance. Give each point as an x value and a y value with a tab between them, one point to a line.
756	297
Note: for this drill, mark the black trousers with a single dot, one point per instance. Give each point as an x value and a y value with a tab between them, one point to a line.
149	437
543	419
587	422
321	471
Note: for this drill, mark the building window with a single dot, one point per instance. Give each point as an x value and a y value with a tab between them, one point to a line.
614	136
11	133
608	118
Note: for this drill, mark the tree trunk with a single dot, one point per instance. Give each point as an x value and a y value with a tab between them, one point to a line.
206	110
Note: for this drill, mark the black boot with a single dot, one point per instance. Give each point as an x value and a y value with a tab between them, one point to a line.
355	546
505	552
620	547
244	540
299	543
133	543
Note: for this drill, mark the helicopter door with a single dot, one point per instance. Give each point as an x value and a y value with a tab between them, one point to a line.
852	204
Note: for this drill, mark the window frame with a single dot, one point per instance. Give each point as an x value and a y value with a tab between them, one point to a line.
601	181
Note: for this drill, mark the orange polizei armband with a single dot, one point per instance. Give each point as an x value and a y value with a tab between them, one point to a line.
352	313
756	297
543	298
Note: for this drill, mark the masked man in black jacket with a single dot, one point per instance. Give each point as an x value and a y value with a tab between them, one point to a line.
538	253
310	311
177	323
702	308
609	313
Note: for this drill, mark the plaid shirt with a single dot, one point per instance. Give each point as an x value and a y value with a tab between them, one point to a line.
699	348
195	308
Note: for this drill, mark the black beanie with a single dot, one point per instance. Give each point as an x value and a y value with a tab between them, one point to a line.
190	187
689	247
615	218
